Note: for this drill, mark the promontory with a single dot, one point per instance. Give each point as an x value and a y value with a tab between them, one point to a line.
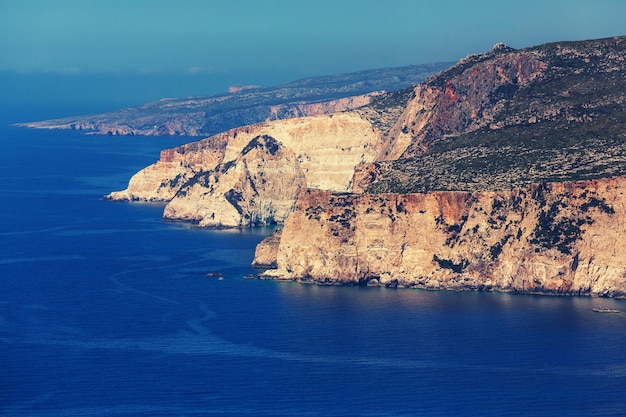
505	172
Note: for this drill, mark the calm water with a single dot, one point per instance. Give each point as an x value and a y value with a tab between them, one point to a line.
105	310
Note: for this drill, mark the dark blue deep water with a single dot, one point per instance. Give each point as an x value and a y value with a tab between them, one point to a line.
105	310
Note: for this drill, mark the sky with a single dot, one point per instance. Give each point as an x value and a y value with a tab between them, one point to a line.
140	50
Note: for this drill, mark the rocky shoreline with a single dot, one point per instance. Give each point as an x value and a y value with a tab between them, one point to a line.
549	238
505	172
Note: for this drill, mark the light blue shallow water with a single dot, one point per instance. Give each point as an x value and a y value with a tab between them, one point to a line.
105	310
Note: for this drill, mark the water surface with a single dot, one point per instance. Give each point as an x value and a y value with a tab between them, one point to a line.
105	310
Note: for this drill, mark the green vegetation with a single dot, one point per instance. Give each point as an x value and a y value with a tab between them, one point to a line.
513	156
552	232
448	264
568	124
384	110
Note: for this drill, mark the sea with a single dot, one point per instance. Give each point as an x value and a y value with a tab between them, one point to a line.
107	310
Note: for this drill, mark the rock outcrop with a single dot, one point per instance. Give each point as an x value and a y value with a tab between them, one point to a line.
196	179
462	99
161	180
258	187
266	251
551	238
551	112
506	172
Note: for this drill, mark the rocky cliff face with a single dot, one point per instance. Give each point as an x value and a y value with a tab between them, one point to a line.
516	116
505	172
462	104
161	180
258	187
267	251
551	238
462	99
316	152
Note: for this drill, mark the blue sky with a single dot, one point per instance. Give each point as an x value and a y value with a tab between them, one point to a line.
270	41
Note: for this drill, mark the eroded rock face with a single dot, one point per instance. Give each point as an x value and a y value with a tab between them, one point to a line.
315	152
516	116
258	187
161	180
449	106
327	149
266	251
555	238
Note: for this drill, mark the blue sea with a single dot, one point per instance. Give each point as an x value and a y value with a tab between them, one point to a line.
106	310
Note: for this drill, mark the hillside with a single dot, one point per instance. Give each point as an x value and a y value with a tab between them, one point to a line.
205	116
554	112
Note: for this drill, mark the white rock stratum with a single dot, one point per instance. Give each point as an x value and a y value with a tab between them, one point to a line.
318	152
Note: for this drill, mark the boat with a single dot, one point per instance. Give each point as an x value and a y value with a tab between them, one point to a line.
606	310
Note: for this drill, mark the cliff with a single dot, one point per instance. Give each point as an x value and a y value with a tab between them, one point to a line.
258	187
464	98
196	179
505	172
508	118
492	121
551	238
161	180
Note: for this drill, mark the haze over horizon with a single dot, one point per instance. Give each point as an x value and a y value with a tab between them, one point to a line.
114	53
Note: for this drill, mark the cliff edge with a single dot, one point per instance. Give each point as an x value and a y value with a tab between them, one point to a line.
506	172
263	165
551	238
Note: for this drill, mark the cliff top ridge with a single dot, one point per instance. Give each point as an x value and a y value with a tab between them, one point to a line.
553	112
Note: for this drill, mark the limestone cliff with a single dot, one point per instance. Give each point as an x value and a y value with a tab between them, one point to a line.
161	180
317	152
258	187
505	172
550	238
266	251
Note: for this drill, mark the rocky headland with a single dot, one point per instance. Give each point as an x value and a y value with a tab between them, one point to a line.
504	172
251	175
